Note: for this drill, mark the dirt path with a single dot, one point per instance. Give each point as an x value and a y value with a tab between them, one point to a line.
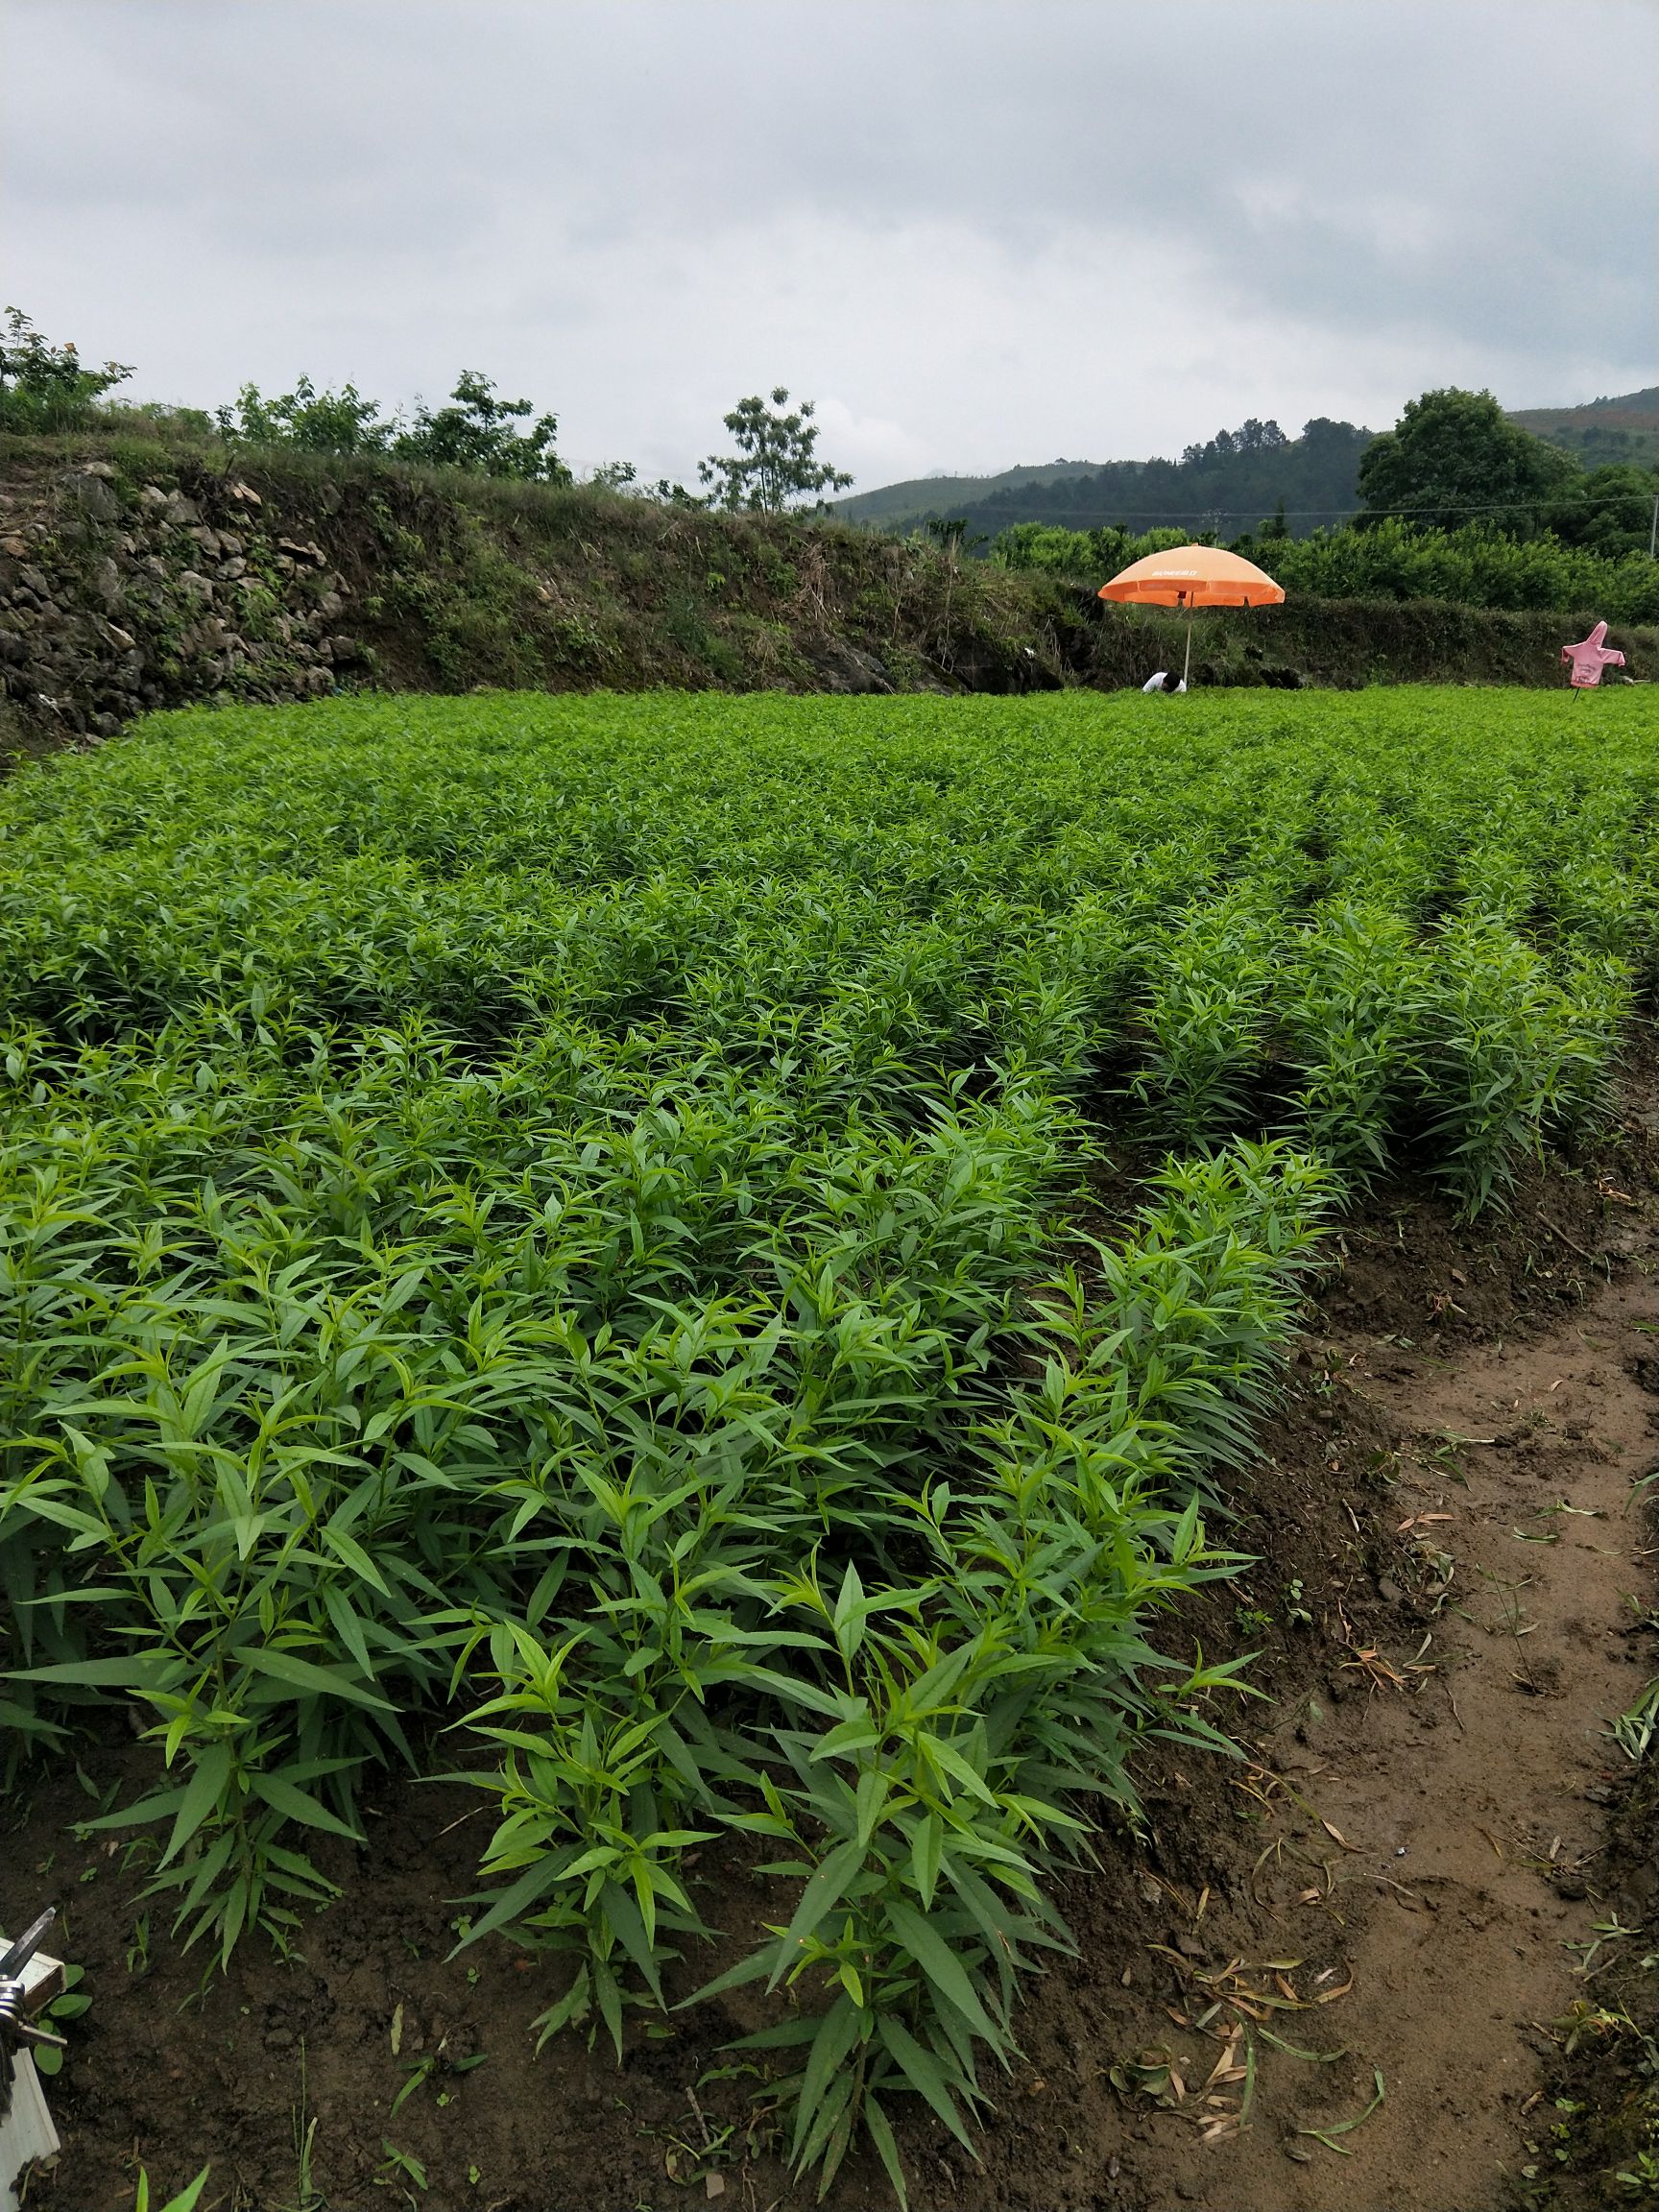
1430	1819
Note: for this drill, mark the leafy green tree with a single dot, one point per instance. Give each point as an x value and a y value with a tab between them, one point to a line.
1251	437
42	386
476	431
1609	512
775	463
1453	454
479	432
342	421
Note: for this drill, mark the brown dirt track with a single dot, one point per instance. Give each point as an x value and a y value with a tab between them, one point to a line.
1422	1825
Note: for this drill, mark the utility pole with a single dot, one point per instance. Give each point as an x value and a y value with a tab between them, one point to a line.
1653	533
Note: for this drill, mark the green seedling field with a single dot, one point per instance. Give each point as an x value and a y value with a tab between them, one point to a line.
554	1238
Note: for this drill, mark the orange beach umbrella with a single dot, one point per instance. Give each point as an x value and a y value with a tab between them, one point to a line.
1193	576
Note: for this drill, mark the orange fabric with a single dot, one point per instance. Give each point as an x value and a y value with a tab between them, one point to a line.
1194	576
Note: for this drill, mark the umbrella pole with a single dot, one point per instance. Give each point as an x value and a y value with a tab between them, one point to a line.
1188	663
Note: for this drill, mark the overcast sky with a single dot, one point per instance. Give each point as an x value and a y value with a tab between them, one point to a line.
976	231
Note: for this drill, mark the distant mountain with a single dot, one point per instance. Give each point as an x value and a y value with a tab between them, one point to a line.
1602	430
1230	485
895	506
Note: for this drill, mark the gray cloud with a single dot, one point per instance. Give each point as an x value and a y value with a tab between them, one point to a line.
976	231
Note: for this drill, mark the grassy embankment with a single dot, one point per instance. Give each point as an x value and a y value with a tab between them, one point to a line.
135	575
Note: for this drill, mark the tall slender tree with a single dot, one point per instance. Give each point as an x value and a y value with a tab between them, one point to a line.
775	463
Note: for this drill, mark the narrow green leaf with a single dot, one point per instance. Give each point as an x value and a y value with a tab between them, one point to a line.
943	1969
296	1805
822	1895
202	1795
315	1681
886	2150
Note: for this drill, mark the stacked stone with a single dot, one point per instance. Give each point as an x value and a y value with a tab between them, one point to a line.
118	598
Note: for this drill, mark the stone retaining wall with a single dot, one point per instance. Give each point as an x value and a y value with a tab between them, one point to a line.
119	596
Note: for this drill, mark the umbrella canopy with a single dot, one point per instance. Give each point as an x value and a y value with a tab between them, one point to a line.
1194	576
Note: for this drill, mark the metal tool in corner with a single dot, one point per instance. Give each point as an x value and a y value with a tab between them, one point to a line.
22	1992
28	1980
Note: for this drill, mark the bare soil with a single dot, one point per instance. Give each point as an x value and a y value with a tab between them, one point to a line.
1401	1878
1433	1813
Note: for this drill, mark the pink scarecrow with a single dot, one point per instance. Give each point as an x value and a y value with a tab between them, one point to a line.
1590	659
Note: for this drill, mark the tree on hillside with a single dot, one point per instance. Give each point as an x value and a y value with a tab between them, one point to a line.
1253	436
478	431
1454	457
44	387
342	421
774	464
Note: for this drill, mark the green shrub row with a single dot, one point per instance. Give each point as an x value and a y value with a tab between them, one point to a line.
1474	565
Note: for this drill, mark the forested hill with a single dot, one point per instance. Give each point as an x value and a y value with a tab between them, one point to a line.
1622	428
1230	485
900	507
